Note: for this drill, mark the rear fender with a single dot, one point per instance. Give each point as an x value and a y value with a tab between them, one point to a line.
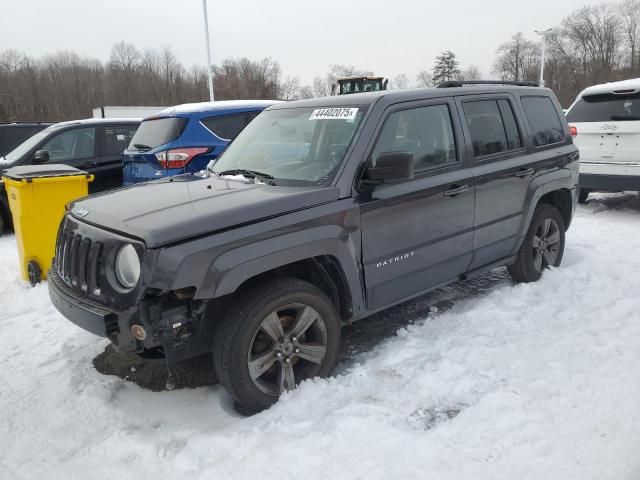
562	179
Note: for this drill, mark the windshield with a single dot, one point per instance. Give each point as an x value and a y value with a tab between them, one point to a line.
605	108
157	131
296	146
24	147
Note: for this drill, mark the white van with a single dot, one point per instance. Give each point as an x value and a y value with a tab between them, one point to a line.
605	124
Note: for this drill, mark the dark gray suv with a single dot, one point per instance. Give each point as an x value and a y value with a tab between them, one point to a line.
320	213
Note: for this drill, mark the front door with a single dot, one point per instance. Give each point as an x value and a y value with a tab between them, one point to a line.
418	233
76	147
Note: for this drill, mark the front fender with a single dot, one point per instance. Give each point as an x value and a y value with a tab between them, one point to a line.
217	265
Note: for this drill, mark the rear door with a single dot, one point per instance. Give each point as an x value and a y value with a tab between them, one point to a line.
418	233
114	139
503	169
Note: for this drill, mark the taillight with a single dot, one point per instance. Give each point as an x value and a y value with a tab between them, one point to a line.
179	157
573	130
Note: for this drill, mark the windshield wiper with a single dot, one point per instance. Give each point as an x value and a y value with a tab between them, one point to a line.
142	146
263	177
624	117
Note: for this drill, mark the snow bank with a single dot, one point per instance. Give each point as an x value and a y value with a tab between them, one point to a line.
530	381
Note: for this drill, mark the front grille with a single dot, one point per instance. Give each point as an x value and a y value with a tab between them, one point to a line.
78	262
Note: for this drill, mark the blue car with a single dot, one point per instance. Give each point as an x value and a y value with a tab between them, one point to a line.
185	138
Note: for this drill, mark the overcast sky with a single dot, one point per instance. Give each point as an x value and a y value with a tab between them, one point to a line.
386	37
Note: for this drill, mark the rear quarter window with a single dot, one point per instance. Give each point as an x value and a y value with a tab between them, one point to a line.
543	119
227	127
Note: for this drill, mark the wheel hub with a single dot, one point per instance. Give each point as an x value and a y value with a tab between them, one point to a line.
287	348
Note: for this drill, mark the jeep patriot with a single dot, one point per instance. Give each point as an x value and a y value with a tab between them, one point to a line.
320	213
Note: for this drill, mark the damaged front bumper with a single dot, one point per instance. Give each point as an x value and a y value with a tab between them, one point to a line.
177	328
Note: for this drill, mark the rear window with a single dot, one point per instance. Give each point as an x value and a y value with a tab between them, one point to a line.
605	108
545	124
228	127
157	131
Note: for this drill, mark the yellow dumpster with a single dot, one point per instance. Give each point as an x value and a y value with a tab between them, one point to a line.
37	198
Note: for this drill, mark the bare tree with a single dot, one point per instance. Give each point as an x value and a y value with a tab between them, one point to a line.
400	82
594	33
630	14
424	79
517	59
472	72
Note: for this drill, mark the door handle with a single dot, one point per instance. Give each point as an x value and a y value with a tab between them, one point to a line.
525	172
455	190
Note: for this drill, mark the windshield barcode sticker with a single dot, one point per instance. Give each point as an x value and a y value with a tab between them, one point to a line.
334	114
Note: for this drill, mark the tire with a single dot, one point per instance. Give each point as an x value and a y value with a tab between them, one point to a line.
275	330
543	246
582	197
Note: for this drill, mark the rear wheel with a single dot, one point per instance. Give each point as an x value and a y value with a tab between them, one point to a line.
584	194
277	335
543	246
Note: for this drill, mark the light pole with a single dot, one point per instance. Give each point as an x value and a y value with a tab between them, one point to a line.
206	35
543	34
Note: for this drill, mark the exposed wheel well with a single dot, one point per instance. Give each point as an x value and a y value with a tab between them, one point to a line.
561	199
323	271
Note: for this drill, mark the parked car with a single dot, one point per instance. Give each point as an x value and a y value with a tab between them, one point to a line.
261	261
605	123
93	145
13	134
185	138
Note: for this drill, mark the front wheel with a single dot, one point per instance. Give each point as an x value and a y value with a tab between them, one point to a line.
543	246
278	334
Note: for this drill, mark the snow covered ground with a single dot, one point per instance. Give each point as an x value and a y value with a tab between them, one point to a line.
519	382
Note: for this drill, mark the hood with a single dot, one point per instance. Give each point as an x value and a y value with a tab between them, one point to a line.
174	209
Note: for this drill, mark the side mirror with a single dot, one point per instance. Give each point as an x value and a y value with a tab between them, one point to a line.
41	156
391	166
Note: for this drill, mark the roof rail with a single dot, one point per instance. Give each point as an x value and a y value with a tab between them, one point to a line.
461	83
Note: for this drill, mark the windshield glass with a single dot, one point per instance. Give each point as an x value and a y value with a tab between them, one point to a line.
605	108
157	131
297	146
25	146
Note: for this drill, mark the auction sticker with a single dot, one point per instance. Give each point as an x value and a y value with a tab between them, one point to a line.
333	114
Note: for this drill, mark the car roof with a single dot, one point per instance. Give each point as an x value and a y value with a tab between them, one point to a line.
95	121
25	124
369	98
213	106
628	86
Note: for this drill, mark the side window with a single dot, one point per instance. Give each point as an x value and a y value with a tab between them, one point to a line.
116	138
543	120
510	127
426	132
71	145
226	127
486	127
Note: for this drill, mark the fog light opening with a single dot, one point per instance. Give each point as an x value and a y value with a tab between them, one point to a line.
139	332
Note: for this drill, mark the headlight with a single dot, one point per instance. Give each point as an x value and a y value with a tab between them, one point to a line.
127	266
